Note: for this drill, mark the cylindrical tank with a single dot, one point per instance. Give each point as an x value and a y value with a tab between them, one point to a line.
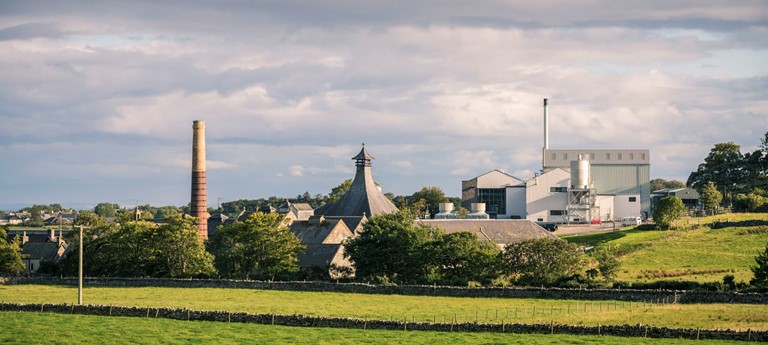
478	207
580	174
446	207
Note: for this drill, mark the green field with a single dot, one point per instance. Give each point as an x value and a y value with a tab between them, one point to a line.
699	255
45	328
412	308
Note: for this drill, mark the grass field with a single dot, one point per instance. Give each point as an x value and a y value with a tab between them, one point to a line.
697	255
397	307
44	328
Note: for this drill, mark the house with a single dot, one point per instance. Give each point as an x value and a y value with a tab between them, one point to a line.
323	239
36	249
689	196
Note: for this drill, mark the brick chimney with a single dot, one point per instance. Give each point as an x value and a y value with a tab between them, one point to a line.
199	206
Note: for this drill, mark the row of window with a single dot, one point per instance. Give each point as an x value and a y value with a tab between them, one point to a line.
608	156
558	189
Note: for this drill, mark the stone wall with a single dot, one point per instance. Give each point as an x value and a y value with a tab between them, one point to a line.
352	323
655	296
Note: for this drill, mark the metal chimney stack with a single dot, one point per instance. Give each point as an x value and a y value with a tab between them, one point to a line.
199	206
546	126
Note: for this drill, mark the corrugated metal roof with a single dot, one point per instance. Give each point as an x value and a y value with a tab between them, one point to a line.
501	232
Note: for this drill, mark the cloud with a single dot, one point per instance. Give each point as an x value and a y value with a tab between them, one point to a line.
291	89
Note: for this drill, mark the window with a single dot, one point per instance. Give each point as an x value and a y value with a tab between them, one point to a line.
554	156
618	156
642	156
631	156
558	189
557	212
565	156
591	156
607	156
495	199
632	199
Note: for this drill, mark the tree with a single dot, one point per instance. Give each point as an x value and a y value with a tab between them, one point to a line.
10	255
338	191
761	269
607	264
261	246
723	167
667	210
106	209
710	197
179	251
460	258
542	261
660	183
167	212
748	202
390	248
432	196
89	219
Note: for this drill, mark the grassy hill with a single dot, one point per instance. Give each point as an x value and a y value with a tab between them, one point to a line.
701	254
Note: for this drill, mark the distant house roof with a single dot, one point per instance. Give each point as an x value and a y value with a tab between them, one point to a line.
501	232
43	250
318	230
302	206
682	193
363	197
322	256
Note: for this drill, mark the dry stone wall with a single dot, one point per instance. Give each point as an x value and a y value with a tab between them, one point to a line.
353	323
655	296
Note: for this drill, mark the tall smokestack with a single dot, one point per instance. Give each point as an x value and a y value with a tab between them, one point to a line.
199	207
546	126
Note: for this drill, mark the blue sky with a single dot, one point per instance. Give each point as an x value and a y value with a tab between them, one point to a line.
97	99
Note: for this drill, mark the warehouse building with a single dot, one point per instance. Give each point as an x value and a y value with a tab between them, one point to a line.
574	185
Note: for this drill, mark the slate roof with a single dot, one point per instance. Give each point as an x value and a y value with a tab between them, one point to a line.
318	255
42	250
317	230
362	198
501	231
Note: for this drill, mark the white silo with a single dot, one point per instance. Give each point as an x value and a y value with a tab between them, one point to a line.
580	173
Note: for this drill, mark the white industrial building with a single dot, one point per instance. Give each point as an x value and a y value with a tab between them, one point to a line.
574	185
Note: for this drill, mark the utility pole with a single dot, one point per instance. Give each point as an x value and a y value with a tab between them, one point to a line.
80	269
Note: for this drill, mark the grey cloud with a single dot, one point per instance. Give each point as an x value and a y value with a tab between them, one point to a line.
31	30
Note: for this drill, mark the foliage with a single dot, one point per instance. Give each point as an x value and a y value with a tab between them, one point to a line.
140	249
432	197
338	191
607	264
760	270
10	255
667	210
261	246
89	219
460	258
710	197
749	202
722	167
542	261
106	209
660	183
390	246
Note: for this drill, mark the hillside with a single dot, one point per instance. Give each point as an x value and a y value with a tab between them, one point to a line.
701	254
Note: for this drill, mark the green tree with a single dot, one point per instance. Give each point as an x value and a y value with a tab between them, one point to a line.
167	212
390	248
710	197
338	191
106	209
542	261
748	202
460	258
723	167
10	255
179	253
432	196
761	269
607	264
660	183
261	246
667	210
88	219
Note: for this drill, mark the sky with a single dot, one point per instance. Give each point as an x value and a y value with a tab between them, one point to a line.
97	99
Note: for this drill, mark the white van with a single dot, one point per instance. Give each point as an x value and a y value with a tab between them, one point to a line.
628	221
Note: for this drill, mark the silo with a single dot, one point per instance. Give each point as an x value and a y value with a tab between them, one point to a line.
580	173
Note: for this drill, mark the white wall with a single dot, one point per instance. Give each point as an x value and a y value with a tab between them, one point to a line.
625	208
497	179
606	205
540	200
515	202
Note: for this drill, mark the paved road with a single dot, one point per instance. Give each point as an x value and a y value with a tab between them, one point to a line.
580	229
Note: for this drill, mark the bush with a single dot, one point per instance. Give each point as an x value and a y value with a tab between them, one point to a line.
542	261
667	210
